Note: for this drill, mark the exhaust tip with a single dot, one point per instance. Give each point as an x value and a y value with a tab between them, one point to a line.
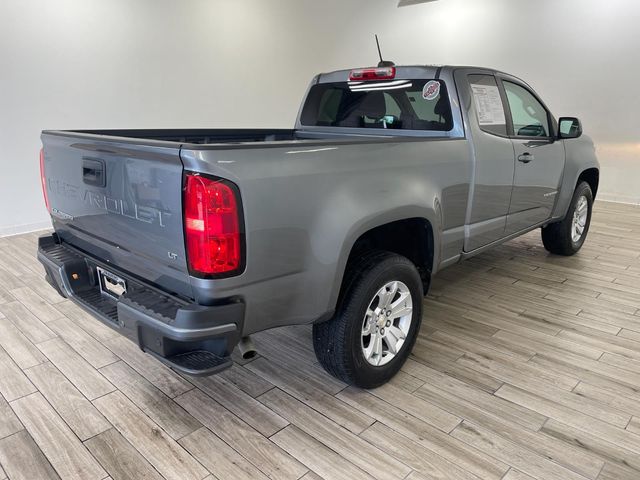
247	348
249	354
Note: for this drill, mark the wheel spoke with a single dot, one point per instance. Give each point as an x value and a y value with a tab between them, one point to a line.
391	344
369	350
583	205
368	323
376	352
396	332
393	337
401	307
366	328
388	294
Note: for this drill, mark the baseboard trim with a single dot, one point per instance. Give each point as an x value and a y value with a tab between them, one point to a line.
24	228
611	197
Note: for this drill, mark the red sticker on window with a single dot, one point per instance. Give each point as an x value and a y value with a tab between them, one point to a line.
431	90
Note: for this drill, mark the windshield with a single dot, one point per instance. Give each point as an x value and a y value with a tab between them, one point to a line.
394	104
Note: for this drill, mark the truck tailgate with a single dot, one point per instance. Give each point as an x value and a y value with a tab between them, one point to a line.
120	200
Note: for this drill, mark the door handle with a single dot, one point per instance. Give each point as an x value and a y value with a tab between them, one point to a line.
526	157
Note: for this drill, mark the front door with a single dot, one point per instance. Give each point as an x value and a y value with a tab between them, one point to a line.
539	158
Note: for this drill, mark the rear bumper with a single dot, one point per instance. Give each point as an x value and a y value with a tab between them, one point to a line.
190	338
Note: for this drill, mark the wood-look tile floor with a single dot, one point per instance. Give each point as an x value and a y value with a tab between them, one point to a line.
527	366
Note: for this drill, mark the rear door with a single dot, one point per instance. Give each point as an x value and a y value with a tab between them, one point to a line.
120	200
539	157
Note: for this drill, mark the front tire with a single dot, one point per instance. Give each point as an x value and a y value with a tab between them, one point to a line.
376	324
567	236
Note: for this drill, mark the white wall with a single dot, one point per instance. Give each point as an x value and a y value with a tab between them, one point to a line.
204	63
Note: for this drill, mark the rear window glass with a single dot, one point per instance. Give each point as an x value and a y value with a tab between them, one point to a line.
394	104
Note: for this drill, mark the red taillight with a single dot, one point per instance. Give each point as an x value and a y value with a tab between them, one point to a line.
43	181
212	226
379	73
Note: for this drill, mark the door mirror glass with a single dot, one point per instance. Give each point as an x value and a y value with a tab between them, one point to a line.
569	127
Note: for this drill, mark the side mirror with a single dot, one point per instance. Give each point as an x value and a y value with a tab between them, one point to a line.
569	127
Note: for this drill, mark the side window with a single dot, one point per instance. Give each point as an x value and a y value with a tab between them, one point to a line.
488	103
530	118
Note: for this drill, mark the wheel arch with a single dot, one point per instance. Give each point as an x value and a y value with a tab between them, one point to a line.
592	177
413	237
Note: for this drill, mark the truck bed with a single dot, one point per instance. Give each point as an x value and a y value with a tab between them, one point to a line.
233	138
198	136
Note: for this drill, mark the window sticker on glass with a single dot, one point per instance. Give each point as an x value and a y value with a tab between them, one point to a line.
488	105
431	90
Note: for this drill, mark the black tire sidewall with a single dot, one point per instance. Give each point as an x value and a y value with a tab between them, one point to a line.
395	268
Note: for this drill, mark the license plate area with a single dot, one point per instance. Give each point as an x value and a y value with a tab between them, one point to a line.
111	284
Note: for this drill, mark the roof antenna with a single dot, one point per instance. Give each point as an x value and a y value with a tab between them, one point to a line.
382	63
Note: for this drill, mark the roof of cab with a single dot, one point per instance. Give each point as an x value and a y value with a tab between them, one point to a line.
404	70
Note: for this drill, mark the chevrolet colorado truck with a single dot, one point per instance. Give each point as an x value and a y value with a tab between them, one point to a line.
189	241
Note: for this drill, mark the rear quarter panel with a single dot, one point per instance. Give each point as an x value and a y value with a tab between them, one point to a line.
305	206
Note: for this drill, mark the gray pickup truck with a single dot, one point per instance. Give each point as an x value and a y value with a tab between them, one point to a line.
189	241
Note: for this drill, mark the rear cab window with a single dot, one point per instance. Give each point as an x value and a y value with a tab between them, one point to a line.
399	104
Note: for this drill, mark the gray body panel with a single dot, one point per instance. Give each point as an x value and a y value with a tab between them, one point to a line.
304	209
535	183
493	170
135	219
310	193
580	155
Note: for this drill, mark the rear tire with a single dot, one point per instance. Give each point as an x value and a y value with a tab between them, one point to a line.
567	236
376	324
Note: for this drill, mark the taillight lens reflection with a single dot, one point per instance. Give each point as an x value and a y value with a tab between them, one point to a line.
43	181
